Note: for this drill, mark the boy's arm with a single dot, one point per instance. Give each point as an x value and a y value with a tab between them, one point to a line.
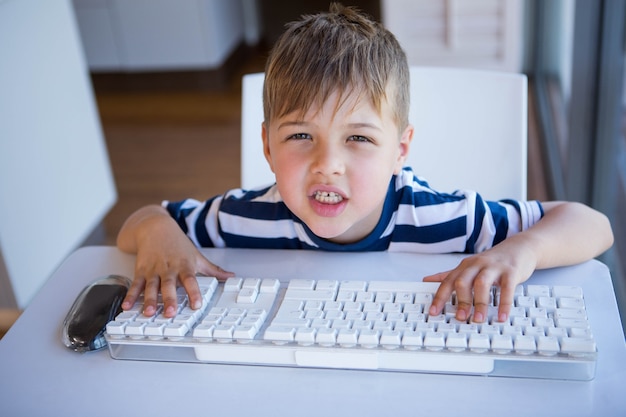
165	256
568	233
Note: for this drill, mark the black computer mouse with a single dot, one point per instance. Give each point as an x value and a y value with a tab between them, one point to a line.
96	305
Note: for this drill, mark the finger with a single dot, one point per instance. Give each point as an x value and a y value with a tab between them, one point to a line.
168	294
150	294
507	292
187	278
439	277
133	293
208	268
464	296
443	294
482	296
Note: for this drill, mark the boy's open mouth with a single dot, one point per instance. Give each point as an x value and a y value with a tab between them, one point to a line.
328	197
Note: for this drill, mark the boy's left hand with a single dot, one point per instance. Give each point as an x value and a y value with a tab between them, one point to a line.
474	277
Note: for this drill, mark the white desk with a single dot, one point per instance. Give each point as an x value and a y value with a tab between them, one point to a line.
39	376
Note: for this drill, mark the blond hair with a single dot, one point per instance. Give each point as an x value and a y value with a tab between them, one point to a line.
341	50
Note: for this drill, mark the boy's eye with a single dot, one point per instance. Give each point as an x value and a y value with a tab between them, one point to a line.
300	136
357	138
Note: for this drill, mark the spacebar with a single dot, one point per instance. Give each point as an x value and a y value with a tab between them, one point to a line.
431	362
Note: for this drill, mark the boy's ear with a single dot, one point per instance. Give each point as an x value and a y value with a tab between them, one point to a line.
266	145
404	147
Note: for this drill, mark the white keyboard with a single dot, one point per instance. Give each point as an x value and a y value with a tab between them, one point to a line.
375	325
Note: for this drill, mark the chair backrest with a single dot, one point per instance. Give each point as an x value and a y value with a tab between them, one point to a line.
470	131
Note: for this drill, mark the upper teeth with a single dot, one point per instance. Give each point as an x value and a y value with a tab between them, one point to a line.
329	197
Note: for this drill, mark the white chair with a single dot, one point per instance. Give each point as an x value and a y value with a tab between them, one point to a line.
470	131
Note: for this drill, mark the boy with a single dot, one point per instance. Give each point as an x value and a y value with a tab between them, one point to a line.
336	135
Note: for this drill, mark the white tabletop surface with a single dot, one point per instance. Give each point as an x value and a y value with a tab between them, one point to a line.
39	376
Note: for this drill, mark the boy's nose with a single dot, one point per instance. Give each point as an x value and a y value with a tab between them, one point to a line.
328	161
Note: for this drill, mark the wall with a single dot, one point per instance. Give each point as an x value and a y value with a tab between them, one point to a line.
162	35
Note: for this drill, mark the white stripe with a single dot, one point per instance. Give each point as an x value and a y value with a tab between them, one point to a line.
453	245
245	226
515	222
211	224
431	214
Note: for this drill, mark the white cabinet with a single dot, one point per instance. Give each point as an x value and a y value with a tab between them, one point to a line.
484	34
56	183
146	35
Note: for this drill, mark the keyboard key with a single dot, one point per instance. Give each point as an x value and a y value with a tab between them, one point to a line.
390	338
412	339
434	340
305	336
567	291
203	330
548	345
245	332
223	331
300	294
270	286
326	336
154	329
247	295
456	342
279	334
174	330
524	344
347	337
479	342
135	328
576	345
502	344
369	337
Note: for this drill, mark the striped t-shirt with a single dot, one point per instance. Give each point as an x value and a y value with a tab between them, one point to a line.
415	218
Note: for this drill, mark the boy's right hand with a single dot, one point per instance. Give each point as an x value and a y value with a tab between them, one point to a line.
165	257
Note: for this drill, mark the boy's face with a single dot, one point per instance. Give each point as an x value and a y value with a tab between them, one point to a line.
333	166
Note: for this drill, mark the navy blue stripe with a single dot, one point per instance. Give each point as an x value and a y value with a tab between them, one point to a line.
179	214
479	214
256	210
202	235
238	241
500	219
430	234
